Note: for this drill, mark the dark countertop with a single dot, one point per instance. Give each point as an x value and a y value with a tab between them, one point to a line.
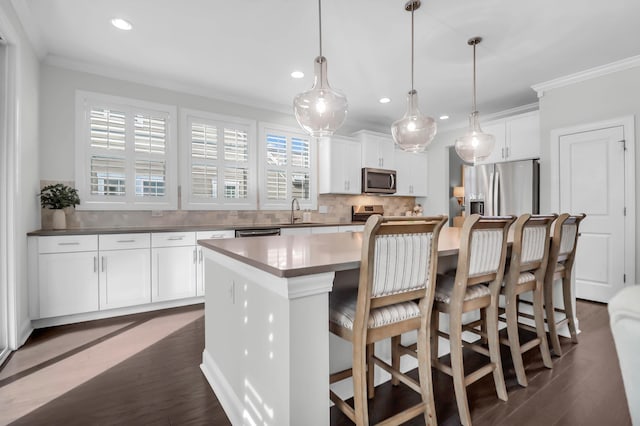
177	228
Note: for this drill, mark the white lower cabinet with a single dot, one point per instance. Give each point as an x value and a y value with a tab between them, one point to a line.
207	235
124	278
67	284
174	262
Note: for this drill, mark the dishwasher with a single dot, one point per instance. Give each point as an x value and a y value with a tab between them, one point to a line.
258	232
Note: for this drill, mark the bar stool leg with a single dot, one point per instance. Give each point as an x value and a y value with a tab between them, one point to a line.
370	371
538	313
426	379
433	335
494	349
568	306
551	318
514	341
457	367
395	358
359	384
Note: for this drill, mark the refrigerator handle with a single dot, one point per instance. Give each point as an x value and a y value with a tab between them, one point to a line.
496	194
489	201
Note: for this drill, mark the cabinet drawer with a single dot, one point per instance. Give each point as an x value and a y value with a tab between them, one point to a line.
123	241
212	235
173	239
67	243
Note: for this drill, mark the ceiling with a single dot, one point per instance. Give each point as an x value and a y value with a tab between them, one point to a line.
244	51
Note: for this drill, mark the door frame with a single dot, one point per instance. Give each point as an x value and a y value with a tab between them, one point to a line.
628	125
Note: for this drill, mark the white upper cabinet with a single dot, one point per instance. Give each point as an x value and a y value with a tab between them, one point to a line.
517	138
340	160
411	173
378	150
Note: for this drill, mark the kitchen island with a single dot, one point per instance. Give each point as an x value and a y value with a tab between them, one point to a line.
266	350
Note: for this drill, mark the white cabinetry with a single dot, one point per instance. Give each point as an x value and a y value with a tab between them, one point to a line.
295	231
411	174
207	235
67	276
125	268
517	138
173	265
340	164
377	150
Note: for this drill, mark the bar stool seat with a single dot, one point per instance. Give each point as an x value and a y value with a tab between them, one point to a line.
343	311
445	286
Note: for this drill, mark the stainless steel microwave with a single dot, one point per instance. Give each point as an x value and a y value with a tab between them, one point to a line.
378	181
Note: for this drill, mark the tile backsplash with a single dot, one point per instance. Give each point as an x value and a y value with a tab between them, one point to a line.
338	211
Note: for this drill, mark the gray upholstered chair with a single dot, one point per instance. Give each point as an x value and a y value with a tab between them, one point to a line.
394	295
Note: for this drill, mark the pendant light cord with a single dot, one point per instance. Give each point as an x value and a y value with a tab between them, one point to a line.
474	77
320	24
413	7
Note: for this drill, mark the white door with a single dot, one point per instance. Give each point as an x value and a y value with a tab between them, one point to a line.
592	181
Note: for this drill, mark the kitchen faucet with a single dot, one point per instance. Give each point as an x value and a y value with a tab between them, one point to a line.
294	201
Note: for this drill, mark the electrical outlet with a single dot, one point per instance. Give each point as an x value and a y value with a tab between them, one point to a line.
156	213
323	209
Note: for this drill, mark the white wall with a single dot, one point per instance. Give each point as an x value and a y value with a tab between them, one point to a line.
610	96
438	172
57	108
23	209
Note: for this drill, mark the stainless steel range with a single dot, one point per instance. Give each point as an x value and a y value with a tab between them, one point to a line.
362	213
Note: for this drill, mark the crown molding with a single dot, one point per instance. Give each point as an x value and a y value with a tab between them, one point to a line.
491	117
621	65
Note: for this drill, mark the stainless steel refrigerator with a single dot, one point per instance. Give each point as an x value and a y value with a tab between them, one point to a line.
509	188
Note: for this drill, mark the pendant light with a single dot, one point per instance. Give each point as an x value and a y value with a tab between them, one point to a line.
413	132
475	145
321	110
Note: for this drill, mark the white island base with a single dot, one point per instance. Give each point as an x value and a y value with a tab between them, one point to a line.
265	367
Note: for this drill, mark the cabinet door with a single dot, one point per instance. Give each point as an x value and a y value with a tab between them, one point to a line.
173	273
68	283
498	130
339	166
207	235
523	134
125	278
411	174
377	151
295	231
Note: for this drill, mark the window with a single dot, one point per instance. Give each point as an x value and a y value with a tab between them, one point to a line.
218	167
288	168
125	153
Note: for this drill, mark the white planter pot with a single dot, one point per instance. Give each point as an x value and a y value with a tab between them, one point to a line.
59	219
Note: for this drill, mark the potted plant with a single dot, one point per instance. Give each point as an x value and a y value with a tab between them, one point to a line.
57	197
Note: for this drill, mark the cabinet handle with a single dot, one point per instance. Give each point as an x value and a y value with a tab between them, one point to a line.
502	152
195	256
200	255
104	261
95	264
126	241
175	238
75	243
507	149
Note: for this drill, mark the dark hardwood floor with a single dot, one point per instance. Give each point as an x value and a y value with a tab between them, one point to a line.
162	383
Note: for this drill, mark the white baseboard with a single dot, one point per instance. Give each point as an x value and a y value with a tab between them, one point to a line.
25	332
90	316
230	402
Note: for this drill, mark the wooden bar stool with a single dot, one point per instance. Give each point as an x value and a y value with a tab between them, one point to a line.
526	273
560	266
394	295
475	286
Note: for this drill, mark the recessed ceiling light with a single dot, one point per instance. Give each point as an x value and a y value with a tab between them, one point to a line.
121	24
444	117
384	100
297	74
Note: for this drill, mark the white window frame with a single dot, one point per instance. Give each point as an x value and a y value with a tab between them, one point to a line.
84	102
265	203
187	116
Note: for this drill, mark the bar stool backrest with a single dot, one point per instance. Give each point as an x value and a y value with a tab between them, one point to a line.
565	237
530	248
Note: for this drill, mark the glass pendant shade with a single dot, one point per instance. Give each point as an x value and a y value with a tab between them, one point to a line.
321	110
475	145
413	132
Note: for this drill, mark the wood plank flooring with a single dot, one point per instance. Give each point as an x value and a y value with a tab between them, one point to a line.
144	369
